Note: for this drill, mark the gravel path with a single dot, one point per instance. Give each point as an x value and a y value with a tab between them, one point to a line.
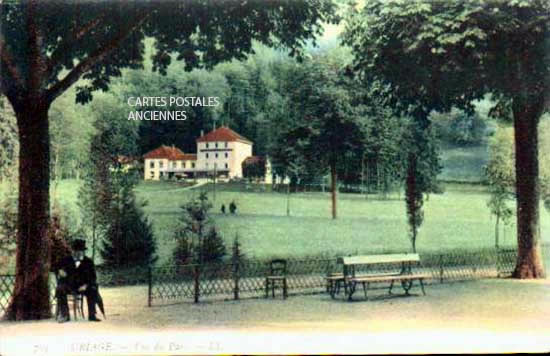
476	316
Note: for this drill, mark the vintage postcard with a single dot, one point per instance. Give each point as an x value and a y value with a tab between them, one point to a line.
274	177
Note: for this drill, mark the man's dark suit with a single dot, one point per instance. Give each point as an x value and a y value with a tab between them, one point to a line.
76	277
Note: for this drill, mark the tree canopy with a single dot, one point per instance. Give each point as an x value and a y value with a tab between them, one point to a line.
452	52
95	40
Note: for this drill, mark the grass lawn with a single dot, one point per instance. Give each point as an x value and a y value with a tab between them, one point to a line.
457	219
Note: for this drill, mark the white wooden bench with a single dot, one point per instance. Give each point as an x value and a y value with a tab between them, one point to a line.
401	265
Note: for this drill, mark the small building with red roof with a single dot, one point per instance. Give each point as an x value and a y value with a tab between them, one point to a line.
168	161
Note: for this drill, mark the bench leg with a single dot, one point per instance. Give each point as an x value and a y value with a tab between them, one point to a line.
334	288
365	289
351	290
406	284
266	288
285	291
331	288
422	286
391	286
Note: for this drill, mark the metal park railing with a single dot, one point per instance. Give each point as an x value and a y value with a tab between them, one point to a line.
247	279
233	280
307	276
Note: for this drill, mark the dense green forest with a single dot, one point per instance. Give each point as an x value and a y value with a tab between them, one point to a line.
257	97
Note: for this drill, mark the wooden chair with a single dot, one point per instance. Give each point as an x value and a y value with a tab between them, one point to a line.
74	299
77	301
276	277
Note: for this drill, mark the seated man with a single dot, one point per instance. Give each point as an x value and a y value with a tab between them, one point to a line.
76	274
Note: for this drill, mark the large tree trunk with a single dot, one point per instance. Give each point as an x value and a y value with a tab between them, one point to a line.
529	260
30	299
333	183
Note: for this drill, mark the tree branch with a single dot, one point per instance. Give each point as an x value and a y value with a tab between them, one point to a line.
72	77
67	45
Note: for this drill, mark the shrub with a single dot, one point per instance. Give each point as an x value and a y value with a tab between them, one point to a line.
197	239
213	247
129	240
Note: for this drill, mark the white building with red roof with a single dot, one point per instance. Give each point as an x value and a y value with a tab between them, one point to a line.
220	152
167	161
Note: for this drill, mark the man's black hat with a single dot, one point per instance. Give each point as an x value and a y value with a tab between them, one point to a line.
79	245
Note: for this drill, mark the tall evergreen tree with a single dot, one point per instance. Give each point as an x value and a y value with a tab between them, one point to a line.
421	167
110	209
129	239
197	239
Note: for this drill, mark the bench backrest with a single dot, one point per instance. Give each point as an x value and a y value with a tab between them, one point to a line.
376	259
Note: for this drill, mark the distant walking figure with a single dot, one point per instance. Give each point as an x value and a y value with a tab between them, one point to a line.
232	207
223	208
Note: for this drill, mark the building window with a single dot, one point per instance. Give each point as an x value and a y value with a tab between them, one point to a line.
192	165
152	174
226	166
182	164
174	164
226	145
161	164
226	155
207	145
206	165
207	155
216	155
152	164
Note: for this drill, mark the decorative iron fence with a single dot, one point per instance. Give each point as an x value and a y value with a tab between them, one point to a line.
233	281
105	276
7	283
6	289
122	276
171	284
247	279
